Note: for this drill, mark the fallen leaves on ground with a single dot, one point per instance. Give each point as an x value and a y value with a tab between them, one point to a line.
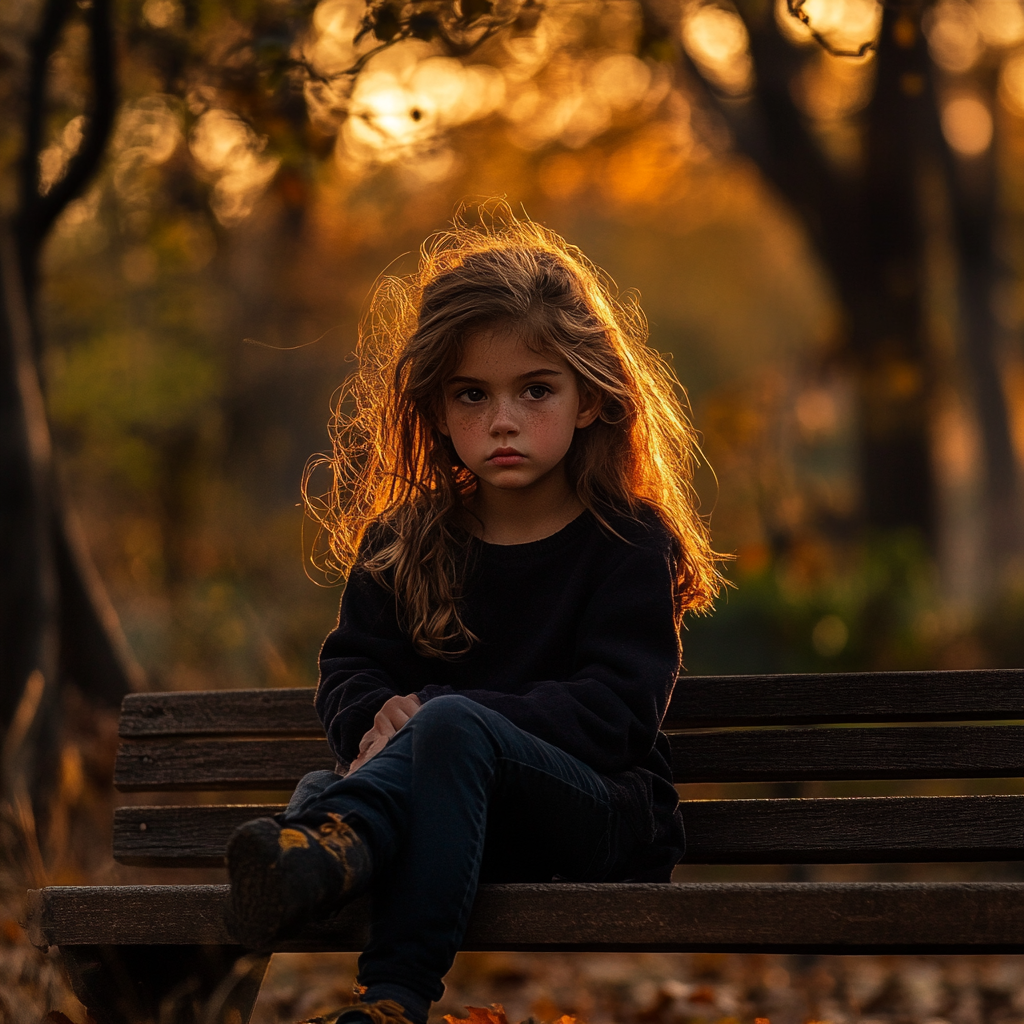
495	1014
676	988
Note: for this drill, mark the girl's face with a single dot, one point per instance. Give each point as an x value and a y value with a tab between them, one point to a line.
511	413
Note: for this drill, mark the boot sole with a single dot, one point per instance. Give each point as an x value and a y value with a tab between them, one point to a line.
255	914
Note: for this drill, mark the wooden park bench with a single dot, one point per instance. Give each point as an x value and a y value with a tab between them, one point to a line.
161	952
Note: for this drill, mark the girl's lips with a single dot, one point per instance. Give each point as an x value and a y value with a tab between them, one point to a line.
506	457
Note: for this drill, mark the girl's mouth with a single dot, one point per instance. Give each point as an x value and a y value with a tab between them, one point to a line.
506	457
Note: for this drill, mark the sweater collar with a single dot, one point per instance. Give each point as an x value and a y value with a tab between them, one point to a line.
535	548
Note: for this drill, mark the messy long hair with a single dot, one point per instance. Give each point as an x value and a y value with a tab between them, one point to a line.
393	471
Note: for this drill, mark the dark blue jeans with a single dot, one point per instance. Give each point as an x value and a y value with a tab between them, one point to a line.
458	796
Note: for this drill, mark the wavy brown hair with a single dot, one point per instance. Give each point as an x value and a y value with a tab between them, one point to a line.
394	471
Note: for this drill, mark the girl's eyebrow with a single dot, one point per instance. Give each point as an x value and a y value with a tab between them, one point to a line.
539	373
522	376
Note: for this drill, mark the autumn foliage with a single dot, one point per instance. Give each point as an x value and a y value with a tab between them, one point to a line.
495	1014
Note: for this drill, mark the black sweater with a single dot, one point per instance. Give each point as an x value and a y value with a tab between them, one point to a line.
577	645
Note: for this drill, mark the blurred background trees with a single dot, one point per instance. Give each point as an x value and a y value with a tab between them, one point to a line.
829	246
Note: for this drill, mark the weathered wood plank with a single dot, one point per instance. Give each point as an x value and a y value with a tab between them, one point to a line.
185	763
220	712
890	752
978	917
166	836
798	699
961	695
844	830
739	755
822	831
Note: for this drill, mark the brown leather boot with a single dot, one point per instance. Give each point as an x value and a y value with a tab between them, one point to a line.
286	876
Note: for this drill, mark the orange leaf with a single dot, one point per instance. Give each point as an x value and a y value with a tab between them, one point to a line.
479	1015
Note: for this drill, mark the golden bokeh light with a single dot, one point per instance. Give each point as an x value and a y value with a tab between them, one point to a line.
1011	83
330	50
565	107
716	39
954	39
331	47
967	125
53	161
621	80
147	134
792	28
163	13
831	88
1000	22
846	24
529	52
232	153
408	96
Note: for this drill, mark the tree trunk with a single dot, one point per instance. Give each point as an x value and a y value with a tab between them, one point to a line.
886	292
28	572
56	622
867	228
972	187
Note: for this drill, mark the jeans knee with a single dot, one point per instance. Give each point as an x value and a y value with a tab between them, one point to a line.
446	712
454	730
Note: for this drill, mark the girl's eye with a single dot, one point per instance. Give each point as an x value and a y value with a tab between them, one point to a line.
472	395
538	390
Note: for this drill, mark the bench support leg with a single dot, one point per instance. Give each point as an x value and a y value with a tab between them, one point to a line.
165	984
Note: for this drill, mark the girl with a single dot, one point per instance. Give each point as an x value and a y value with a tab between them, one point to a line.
513	511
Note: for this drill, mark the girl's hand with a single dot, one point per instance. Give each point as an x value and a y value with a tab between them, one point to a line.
395	713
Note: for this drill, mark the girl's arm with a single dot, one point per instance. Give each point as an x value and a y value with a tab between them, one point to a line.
360	664
608	712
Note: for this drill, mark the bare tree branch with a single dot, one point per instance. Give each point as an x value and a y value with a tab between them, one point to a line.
796	9
39	212
100	120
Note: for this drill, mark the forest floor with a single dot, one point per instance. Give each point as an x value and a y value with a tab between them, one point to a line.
666	988
612	988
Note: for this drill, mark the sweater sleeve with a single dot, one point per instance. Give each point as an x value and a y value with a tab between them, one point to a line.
364	662
609	711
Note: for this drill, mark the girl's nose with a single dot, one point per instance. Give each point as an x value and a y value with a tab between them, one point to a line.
503	422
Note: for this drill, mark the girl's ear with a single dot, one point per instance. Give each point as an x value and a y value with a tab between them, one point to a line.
589	410
442	425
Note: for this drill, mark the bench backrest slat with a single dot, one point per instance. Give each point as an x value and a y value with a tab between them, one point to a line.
698	701
732	755
764	831
184	763
949	696
220	713
819	754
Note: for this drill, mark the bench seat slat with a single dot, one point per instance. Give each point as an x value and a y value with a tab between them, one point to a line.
740	755
743	917
773	831
798	699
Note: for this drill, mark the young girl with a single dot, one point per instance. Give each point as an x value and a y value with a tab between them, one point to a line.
512	508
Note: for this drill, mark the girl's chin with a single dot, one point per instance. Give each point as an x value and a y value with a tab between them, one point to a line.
507	481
